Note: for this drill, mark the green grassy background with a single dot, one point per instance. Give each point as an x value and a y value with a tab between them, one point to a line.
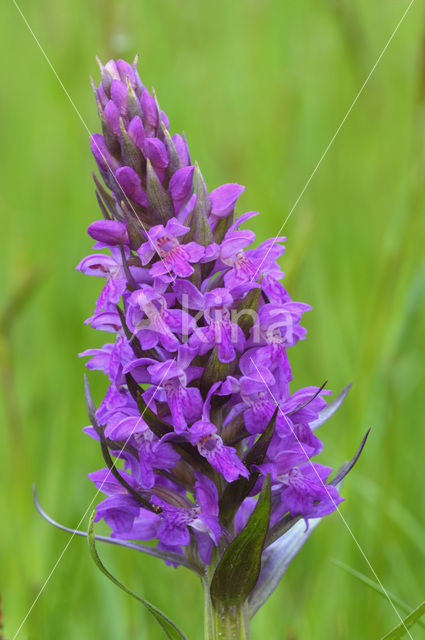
260	87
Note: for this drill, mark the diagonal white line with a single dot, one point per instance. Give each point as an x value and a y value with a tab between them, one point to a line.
337	509
83	122
46	582
324	154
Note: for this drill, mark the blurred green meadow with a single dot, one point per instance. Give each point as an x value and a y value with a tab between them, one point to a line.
260	87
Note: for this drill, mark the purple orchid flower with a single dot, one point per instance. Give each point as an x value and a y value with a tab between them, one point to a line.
175	258
111	268
249	264
173	530
203	326
220	330
170	380
110	359
222	458
149	318
223	200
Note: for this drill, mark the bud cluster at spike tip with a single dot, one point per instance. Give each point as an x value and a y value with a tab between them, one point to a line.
200	325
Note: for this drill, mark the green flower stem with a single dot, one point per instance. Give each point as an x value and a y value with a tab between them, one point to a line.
227	624
231	624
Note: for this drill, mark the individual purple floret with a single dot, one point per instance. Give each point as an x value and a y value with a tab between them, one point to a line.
203	328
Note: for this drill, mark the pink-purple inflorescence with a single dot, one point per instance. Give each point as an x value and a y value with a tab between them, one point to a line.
198	408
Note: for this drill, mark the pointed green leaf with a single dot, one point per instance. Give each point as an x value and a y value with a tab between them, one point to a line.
406	624
247	311
200	229
280	528
159	128
132	102
108	200
259	449
169	627
214	371
104	444
117	475
131	337
111	140
105	77
203	200
236	492
159	201
135	229
91	409
102	206
158	426
347	466
131	283
307	402
222	227
173	157
238	570
131	155
203	233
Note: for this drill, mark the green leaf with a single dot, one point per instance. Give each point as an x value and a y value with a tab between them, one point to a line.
281	527
91	409
118	476
104	444
347	466
170	629
221	228
236	492
238	570
130	154
200	229
132	102
131	337
214	371
111	140
107	199
375	586
307	402
158	426
203	233
203	201
406	624
159	201
174	162
248	310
